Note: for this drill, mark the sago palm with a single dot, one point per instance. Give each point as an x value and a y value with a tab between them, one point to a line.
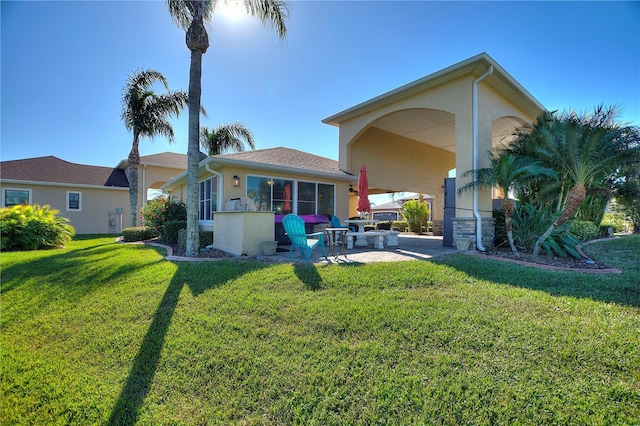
506	173
146	114
586	149
191	15
226	138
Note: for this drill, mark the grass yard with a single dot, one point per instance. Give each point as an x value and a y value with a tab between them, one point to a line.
105	333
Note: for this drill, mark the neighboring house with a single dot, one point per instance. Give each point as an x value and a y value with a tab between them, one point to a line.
387	211
279	180
95	199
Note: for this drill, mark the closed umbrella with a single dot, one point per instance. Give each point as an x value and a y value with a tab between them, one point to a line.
286	207
363	191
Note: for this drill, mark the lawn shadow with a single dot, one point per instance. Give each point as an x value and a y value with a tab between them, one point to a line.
308	274
69	271
198	277
623	289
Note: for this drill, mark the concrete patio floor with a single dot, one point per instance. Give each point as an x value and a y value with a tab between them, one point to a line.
410	247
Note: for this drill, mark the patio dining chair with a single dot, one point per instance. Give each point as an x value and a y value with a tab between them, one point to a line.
386	226
337	223
295	230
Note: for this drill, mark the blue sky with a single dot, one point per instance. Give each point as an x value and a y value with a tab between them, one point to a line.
64	65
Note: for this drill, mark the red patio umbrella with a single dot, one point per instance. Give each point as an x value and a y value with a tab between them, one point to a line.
286	206
363	191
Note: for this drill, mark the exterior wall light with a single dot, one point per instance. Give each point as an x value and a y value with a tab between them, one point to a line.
236	181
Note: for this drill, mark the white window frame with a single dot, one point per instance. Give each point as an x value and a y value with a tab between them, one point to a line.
294	190
4	195
69	209
215	197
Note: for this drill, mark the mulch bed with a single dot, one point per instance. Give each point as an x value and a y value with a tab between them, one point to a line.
543	259
204	253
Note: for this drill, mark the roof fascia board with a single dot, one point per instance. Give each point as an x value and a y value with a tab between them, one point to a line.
61	184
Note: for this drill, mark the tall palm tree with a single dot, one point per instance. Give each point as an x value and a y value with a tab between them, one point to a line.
146	114
506	173
191	16
225	138
587	149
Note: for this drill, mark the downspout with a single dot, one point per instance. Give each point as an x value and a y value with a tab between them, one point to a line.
144	184
220	183
476	212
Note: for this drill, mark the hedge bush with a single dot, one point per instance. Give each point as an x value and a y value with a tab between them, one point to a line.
400	225
583	230
170	230
137	233
33	227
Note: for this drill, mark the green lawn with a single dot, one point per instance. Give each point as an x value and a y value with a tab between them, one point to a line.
105	333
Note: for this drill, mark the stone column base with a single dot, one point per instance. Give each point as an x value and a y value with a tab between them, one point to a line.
464	228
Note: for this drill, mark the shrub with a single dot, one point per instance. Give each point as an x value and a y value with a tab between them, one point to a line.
170	230
33	227
583	230
400	225
138	233
161	210
617	221
529	222
204	236
415	213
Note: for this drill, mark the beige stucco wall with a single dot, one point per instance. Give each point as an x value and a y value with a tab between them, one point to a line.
95	203
392	169
395	163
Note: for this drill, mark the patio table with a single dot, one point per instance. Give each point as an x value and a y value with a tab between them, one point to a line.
336	236
361	239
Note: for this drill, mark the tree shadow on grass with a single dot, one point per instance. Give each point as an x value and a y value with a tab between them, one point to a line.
198	277
623	289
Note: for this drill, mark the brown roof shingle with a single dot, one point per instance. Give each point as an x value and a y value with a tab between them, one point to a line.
168	159
287	157
55	170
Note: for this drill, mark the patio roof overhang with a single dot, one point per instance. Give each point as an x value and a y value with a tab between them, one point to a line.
500	80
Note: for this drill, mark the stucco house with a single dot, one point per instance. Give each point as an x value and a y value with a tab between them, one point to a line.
94	198
410	139
279	180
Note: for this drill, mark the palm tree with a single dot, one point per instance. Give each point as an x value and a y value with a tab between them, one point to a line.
507	172
225	138
146	114
587	149
191	16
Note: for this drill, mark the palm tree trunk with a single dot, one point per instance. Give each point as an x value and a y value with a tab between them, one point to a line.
197	41
576	197
134	161
507	208
193	151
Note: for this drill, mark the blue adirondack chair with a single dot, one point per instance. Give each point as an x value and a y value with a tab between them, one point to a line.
294	228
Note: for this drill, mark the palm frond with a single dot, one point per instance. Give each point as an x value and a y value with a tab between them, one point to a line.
272	13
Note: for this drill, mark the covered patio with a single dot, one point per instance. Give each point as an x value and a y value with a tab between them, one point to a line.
413	137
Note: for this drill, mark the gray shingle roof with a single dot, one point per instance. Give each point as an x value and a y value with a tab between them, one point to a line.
286	157
55	170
